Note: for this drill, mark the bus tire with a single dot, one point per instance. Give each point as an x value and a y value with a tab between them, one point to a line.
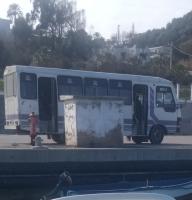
58	138
157	135
137	139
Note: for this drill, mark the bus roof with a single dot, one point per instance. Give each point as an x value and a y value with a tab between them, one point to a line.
93	74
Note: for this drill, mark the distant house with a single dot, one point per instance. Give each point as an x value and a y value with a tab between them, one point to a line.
124	53
121	52
159	51
5	29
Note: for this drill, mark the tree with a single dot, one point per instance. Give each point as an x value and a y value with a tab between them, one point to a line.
78	45
14	12
60	32
178	31
22	31
178	74
23	44
56	17
98	42
5	57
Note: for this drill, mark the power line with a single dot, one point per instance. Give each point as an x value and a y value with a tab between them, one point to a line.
181	51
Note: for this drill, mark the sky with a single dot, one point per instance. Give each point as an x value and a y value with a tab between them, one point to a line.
105	15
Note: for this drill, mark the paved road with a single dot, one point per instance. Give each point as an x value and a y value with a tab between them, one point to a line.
176	140
22	141
19	141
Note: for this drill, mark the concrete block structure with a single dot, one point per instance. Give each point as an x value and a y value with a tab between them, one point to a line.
93	122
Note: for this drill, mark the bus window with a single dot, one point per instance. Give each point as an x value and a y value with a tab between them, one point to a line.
69	85
121	88
165	99
10	85
28	85
95	87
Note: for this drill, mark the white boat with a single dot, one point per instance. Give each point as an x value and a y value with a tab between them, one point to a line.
173	191
119	196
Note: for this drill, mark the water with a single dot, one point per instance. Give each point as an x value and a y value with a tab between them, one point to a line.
93	185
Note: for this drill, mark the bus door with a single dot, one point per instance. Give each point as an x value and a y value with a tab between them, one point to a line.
47	97
140	109
165	109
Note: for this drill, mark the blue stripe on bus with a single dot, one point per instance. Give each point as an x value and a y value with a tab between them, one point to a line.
151	122
163	122
25	117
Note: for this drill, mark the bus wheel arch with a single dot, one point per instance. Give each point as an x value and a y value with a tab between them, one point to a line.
137	139
157	134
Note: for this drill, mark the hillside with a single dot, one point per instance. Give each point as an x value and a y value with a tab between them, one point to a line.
179	31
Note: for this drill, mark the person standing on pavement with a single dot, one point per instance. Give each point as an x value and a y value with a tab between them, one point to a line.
33	126
138	111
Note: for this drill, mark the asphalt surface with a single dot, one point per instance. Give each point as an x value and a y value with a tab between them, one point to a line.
23	141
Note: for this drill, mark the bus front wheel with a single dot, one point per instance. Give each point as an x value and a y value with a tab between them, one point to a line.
157	135
58	138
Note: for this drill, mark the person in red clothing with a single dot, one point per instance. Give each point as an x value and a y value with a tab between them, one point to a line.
33	126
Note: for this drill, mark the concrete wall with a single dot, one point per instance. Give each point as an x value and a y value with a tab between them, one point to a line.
70	124
93	122
186	114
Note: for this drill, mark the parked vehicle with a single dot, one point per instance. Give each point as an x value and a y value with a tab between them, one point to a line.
151	109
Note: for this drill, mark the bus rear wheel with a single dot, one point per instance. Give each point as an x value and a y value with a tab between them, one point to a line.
157	135
58	138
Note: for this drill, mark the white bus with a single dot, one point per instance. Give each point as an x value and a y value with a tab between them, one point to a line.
151	109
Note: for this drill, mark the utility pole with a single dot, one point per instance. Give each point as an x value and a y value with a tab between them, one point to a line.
118	34
171	55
